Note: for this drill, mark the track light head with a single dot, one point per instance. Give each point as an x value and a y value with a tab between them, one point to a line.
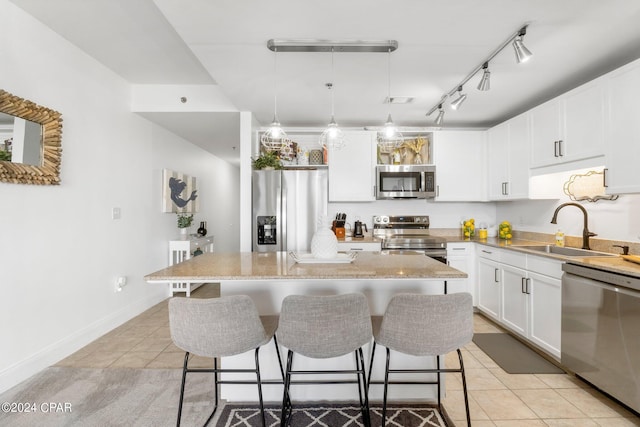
485	83
440	115
522	53
456	103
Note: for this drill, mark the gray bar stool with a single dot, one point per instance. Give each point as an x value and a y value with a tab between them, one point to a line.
323	327
220	327
425	325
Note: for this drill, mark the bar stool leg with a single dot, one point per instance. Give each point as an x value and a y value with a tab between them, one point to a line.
184	377
287	407
386	386
464	388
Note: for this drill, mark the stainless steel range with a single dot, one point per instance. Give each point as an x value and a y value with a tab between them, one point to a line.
409	233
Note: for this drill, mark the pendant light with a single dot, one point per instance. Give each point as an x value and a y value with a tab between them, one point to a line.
390	138
274	139
332	137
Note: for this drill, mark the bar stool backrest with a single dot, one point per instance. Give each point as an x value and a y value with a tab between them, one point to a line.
427	325
216	327
324	326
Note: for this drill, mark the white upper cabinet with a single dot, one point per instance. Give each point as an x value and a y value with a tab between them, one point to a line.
509	159
459	157
569	127
352	168
623	130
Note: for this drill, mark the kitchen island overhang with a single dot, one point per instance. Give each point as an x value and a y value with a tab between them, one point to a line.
269	277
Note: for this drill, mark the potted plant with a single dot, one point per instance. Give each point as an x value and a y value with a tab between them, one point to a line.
267	160
184	222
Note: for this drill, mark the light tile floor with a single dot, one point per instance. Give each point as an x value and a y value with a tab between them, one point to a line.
496	398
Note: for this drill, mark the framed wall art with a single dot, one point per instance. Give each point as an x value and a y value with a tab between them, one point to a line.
179	192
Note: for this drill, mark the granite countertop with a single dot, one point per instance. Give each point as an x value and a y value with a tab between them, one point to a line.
210	267
614	264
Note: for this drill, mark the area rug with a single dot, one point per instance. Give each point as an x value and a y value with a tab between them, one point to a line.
513	356
60	396
331	415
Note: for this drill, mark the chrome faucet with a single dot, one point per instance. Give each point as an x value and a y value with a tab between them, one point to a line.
585	230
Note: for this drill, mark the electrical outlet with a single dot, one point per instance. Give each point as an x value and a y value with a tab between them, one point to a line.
121	282
115	213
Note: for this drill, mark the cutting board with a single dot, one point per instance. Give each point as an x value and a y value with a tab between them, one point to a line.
632	258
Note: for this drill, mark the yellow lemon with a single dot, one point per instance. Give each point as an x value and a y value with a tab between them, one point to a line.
505	222
509	236
472	220
467	224
466	234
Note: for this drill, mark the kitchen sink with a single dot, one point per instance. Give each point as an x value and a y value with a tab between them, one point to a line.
564	251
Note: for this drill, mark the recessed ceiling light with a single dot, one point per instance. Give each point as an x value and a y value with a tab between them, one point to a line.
399	100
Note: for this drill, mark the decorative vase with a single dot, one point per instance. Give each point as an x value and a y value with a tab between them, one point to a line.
184	233
324	244
202	230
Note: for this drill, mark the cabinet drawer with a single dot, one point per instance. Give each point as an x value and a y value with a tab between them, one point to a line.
489	252
514	258
458	248
545	266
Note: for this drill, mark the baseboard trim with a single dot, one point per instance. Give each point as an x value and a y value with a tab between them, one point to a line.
53	353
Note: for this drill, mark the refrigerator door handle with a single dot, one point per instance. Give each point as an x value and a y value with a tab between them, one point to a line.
282	205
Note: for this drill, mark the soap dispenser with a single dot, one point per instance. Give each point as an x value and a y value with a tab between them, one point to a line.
559	238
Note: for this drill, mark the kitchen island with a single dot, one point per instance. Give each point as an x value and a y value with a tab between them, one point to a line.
269	277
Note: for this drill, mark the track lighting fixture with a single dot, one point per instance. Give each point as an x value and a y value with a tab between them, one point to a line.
485	81
522	55
440	115
456	103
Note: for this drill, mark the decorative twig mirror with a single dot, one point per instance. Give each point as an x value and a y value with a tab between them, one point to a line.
46	170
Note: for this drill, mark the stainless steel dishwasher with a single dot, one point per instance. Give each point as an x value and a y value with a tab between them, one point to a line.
601	330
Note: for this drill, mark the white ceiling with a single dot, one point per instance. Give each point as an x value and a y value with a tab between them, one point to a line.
440	42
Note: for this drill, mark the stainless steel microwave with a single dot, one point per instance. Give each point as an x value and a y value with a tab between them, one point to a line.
405	182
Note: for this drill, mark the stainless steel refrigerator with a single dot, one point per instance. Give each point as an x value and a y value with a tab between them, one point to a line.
287	206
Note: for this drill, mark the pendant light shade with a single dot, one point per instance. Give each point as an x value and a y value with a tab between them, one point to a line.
485	83
275	138
332	138
390	137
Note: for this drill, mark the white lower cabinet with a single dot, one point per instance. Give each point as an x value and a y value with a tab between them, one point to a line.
515	301
523	293
460	255
489	283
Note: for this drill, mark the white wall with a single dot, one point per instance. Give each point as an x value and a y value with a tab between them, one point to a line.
610	220
60	251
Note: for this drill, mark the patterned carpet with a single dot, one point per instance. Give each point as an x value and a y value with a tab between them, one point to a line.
332	415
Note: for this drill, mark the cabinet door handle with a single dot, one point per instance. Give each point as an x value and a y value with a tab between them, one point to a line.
487	252
523	285
555	148
506	188
437	191
458	249
605	181
560	144
495	275
528	286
